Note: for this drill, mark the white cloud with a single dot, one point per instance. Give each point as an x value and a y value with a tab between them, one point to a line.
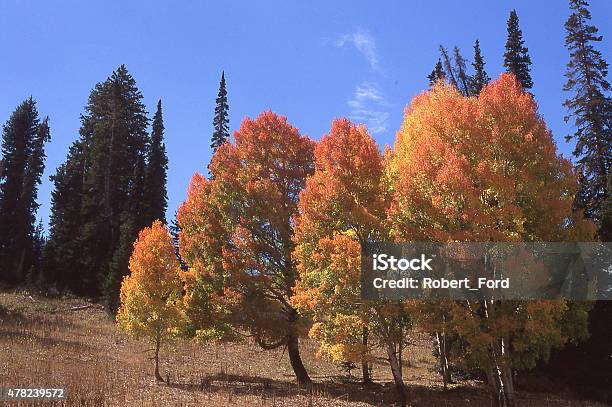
367	105
363	42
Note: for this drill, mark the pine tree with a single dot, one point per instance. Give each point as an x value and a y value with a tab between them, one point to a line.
155	196
62	254
113	149
588	364
437	74
35	276
516	57
480	78
23	140
591	108
221	119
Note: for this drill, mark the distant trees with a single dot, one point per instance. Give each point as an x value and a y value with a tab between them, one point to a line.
453	70
22	164
516	57
151	295
221	117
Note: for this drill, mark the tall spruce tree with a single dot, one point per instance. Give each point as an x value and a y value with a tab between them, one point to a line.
221	119
23	140
590	107
516	58
155	196
588	365
437	74
480	78
113	149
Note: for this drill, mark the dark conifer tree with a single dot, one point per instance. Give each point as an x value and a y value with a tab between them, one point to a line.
588	365
480	78
62	254
221	119
437	74
23	156
155	196
590	107
516	58
113	149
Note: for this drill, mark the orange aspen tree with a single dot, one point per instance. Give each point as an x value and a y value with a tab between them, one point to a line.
486	169
151	295
342	207
237	232
208	302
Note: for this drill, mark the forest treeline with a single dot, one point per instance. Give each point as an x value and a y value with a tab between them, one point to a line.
267	243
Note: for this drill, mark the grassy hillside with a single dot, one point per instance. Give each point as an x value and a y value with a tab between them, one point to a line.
73	344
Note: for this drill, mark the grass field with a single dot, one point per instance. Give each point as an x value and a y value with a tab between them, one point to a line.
74	344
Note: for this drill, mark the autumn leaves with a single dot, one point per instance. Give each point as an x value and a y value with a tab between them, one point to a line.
273	238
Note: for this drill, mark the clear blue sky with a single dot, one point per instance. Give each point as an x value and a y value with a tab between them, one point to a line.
311	61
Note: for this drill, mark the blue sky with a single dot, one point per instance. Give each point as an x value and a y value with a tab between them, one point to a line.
310	61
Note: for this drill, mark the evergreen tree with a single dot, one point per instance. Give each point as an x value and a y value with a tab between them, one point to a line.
23	140
588	365
155	197
221	119
35	276
437	74
480	78
516	57
62	254
113	149
591	108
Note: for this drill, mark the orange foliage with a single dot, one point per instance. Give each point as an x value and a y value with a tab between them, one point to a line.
151	303
486	169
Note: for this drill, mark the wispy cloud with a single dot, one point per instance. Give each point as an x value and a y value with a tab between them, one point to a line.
367	106
363	42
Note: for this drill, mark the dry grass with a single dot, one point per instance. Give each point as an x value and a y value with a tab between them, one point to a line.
45	344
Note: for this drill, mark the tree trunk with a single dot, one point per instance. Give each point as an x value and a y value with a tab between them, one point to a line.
157	345
296	360
396	370
506	374
495	387
365	368
443	358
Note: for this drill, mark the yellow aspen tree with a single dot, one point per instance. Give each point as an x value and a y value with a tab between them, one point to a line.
151	295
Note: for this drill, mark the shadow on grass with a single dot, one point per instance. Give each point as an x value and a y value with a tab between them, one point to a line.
376	394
